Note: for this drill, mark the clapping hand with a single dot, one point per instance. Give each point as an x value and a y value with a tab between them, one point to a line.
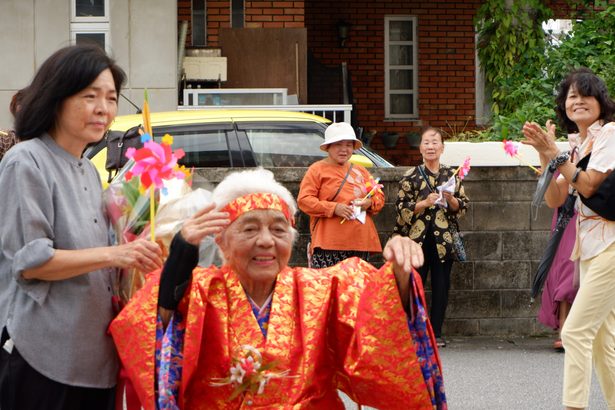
542	139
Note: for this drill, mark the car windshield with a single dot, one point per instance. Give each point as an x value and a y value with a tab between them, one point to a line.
285	148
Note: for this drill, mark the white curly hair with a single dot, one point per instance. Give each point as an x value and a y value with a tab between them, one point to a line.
238	184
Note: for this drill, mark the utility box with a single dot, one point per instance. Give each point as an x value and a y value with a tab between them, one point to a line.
205	68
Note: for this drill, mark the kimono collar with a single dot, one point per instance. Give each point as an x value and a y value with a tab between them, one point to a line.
259	309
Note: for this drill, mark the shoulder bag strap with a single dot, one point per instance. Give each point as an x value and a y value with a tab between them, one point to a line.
343	182
335	195
424	175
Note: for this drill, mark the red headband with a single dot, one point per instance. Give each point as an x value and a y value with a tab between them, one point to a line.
258	200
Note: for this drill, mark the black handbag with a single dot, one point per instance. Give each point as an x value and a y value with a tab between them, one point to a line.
458	245
117	144
603	200
453	226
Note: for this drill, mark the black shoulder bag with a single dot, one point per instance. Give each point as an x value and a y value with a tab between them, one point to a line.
117	144
603	201
453	226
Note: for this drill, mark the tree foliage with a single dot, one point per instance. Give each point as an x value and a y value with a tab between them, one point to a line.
523	69
511	44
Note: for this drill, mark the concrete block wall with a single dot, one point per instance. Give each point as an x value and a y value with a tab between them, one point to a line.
490	293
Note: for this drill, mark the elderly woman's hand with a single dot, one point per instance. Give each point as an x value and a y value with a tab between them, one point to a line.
344	211
364	204
431	199
204	222
453	202
543	140
405	254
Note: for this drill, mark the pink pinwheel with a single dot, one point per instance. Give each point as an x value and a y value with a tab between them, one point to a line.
511	148
464	169
154	163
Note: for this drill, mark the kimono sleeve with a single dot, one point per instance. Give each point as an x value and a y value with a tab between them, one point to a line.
376	360
134	333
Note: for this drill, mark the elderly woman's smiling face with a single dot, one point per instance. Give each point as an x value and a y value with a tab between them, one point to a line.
257	246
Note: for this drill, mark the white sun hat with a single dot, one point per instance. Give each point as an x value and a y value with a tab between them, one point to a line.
340	131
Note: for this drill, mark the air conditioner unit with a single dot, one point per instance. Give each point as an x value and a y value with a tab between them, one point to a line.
205	68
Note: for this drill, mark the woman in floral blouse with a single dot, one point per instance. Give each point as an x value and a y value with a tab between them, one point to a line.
421	217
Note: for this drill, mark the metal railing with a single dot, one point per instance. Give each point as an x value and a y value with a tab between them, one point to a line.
334	112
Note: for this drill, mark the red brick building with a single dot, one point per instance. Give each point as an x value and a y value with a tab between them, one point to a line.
409	64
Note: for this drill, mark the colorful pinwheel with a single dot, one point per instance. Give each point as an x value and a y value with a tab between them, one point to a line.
463	169
155	163
372	186
512	150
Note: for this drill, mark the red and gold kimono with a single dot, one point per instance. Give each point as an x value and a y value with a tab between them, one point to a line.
341	327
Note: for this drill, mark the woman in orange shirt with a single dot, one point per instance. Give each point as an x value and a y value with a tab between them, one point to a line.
334	193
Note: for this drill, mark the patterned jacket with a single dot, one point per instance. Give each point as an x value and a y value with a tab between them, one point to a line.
413	189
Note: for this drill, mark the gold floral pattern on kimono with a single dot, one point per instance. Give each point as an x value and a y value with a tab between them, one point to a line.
413	189
333	328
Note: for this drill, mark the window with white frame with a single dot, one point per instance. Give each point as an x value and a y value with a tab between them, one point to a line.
400	67
90	22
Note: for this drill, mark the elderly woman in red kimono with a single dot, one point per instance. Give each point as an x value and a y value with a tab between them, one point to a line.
258	333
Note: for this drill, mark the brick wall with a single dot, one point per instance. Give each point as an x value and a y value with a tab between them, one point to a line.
258	14
489	293
276	14
446	66
218	16
446	62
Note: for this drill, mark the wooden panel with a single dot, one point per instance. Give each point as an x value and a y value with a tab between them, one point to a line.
266	58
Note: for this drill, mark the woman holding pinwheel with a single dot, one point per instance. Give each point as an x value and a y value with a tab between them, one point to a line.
340	199
56	265
428	216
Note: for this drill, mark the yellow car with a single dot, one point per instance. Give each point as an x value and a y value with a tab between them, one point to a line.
237	138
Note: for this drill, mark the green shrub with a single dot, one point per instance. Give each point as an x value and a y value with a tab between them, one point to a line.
523	69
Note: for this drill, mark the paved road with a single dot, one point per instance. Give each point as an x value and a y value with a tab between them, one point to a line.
505	374
514	373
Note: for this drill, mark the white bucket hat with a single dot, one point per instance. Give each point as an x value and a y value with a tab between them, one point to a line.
340	131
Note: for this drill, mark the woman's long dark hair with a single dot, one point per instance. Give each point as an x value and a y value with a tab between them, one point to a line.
65	73
587	84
